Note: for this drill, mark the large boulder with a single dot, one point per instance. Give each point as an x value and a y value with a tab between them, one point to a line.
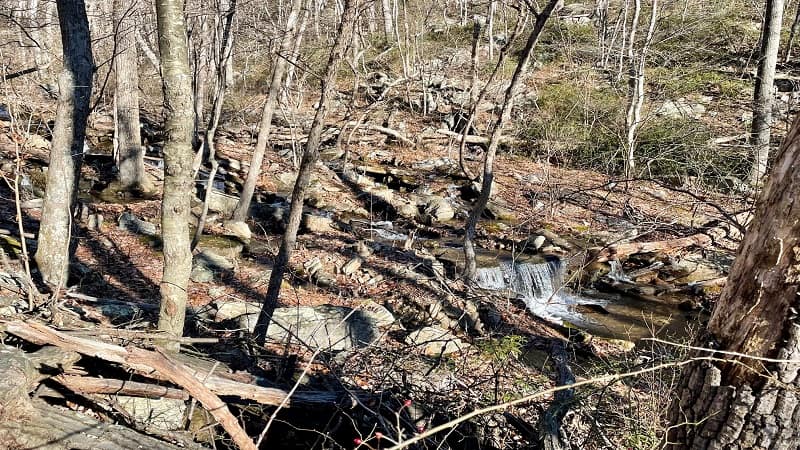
434	341
329	327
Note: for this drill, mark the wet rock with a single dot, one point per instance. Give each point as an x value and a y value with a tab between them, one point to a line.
207	264
435	341
129	222
161	413
239	230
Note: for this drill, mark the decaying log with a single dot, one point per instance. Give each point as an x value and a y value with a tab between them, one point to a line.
55	428
178	374
472	139
43	335
91	385
620	251
31	423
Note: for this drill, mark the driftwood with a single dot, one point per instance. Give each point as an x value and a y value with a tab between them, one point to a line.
178	374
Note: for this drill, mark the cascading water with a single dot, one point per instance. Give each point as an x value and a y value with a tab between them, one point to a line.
538	284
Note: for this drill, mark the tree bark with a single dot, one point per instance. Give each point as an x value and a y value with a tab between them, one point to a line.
66	150
764	96
177	166
497	134
240	213
130	154
735	401
310	157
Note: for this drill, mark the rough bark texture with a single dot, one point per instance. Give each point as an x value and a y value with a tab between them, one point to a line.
764	92
310	157
240	213
130	154
66	151
497	133
177	165
742	402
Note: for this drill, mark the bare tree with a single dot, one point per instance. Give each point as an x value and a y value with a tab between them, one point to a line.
220	87
745	393
175	206
497	133
56	243
764	96
792	34
129	152
637	62
276	83
310	157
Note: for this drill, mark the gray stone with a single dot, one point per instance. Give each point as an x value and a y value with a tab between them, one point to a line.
206	264
435	341
352	266
222	202
676	109
223	246
161	413
500	210
237	229
437	209
317	224
328	327
407	210
538	242
129	222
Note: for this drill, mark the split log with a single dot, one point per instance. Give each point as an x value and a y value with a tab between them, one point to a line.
91	385
178	374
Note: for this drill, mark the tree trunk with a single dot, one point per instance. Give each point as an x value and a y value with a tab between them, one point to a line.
736	401
792	34
130	154
764	92
177	165
66	150
505	113
388	19
240	213
220	88
310	157
633	118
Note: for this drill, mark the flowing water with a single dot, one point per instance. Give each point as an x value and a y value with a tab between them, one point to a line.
539	285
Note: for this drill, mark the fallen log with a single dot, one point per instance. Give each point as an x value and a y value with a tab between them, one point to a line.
177	373
92	385
31	423
472	139
620	251
40	334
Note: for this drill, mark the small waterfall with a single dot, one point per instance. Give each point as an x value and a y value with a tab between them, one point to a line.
538	284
